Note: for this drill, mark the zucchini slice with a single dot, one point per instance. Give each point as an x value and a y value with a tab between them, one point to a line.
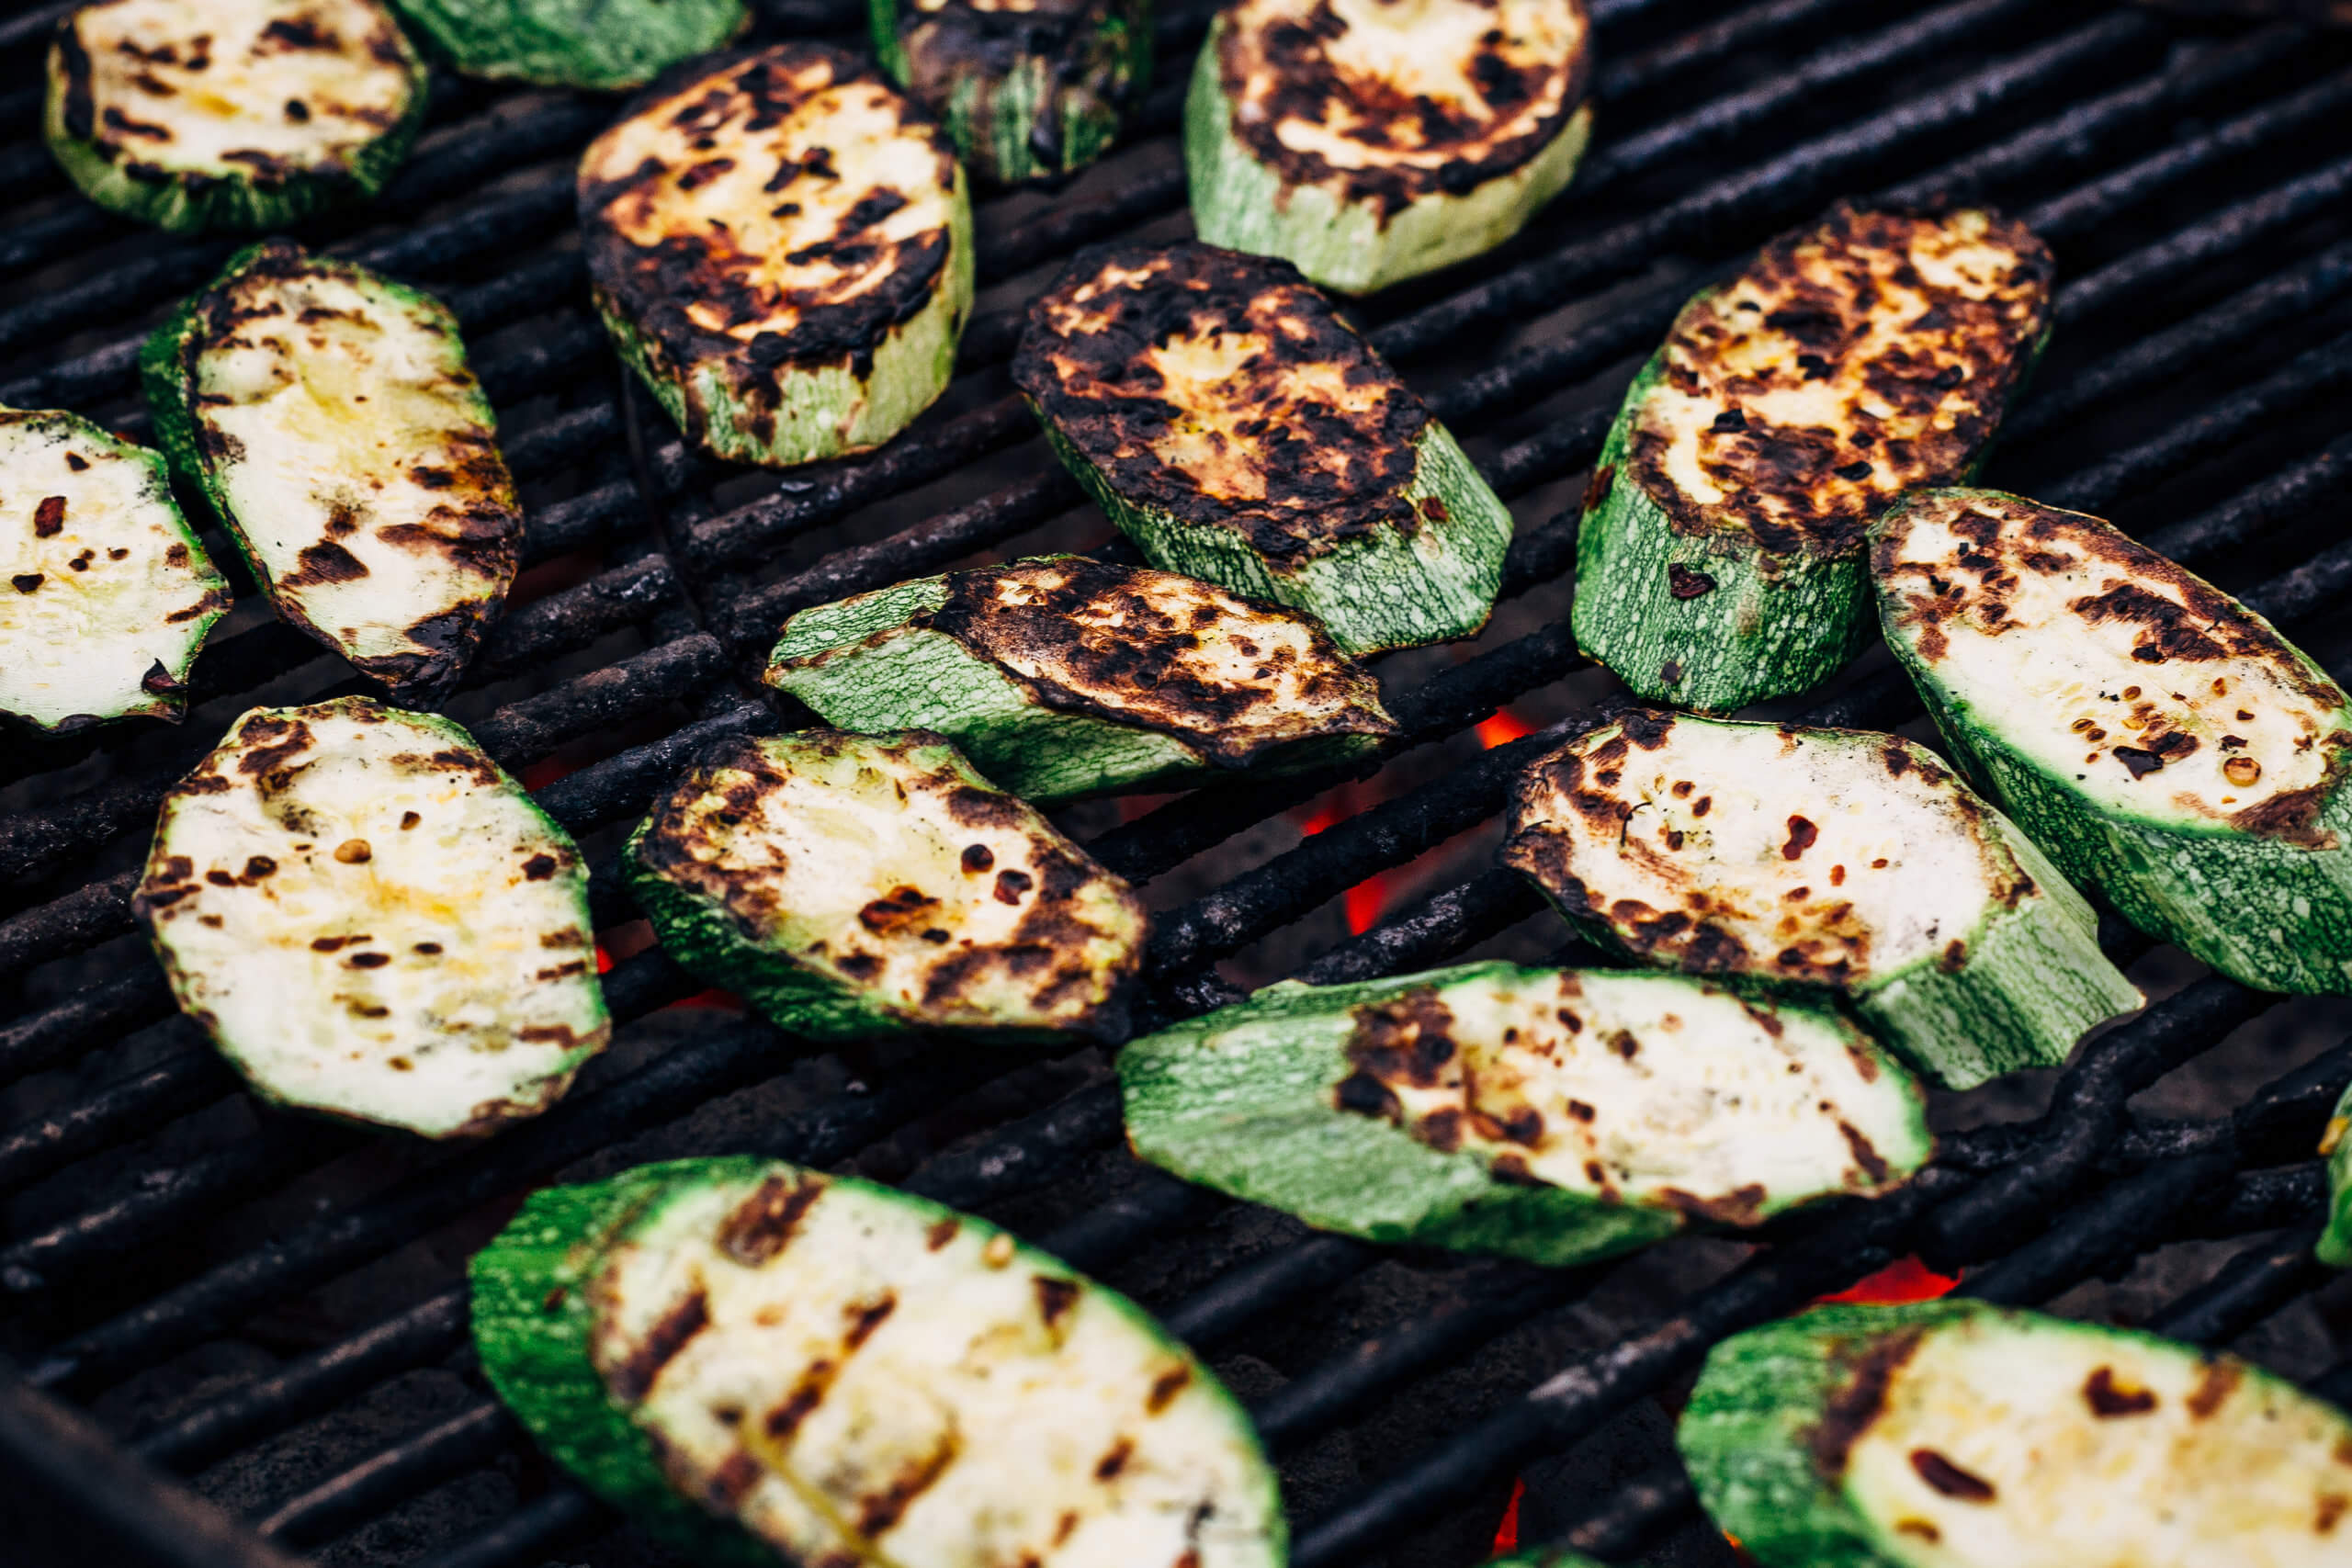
2335	1242
1951	1434
109	591
1061	677
856	885
600	45
231	115
372	921
1025	90
1826	859
1368	141
1720	557
327	415
782	247
1552	1115
1239	431
2161	741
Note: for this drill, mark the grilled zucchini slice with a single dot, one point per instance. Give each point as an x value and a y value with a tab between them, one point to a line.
1368	141
327	415
854	886
1720	557
782	247
1955	1435
600	45
1552	1115
1239	431
1060	677
2161	741
231	115
109	593
1827	861
1025	90
371	919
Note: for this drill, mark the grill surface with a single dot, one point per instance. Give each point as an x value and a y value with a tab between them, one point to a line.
271	1306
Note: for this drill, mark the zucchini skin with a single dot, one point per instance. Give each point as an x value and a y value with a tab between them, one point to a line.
598	45
2335	1242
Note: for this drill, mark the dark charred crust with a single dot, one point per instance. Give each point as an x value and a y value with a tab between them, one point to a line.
864	1318
633	1379
1874	1164
2109	1399
1858	1402
958	47
877	1513
2215	1383
1741	1207
1055	1298
761	1226
1166	1387
1948	1478
806	1393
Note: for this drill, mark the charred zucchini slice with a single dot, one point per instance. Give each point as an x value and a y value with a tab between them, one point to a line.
1367	142
1719	558
2160	740
1825	860
1061	677
600	45
1553	1115
109	593
327	415
372	921
1239	431
853	886
1955	1435
782	247
231	115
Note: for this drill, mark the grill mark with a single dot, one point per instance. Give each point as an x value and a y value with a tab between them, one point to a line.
633	1379
806	1395
1856	1406
877	1513
761	1226
2109	1399
2219	1380
1949	1479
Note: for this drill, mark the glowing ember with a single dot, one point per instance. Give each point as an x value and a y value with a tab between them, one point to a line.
1907	1279
1507	1533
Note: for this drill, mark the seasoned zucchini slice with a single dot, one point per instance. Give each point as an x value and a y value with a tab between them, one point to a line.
1371	141
327	415
2160	740
1826	859
1720	560
595	44
371	919
1553	1115
109	593
231	115
853	886
782	247
1239	431
1061	677
1025	89
1955	1435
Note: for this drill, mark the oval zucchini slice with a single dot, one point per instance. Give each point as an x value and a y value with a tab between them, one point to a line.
600	45
2161	741
1060	677
1720	557
1552	1115
1239	431
1367	142
371	919
1826	859
782	247
231	115
1955	1435
109	593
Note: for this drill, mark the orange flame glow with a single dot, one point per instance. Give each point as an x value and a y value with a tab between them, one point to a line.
1905	1279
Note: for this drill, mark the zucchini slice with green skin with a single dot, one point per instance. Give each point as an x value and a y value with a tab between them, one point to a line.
2335	1242
2161	741
1027	90
232	116
371	919
1367	142
1827	861
1552	1115
1060	677
327	415
1951	1434
854	886
1239	432
1720	557
600	45
109	593
781	246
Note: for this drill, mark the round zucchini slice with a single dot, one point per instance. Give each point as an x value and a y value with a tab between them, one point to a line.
781	245
600	45
231	115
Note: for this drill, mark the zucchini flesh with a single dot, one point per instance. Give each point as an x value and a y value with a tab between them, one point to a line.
2162	742
1822	859
1060	677
595	44
1719	561
1553	1115
1239	432
231	115
372	921
109	593
781	247
1955	1435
